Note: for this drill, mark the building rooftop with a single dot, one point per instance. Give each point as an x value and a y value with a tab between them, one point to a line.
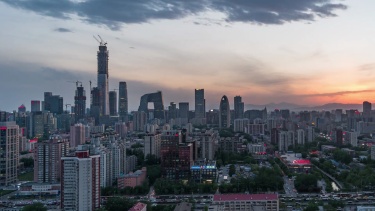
245	197
138	206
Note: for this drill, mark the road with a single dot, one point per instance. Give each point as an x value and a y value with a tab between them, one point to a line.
289	188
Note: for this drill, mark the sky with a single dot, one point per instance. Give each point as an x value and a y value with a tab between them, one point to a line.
306	52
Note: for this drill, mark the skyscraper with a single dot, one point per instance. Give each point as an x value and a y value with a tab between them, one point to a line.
53	103
224	116
9	144
238	107
123	101
35	105
77	135
112	103
80	182
103	78
79	103
200	104
367	109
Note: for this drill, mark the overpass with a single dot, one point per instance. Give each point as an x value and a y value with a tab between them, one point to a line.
329	176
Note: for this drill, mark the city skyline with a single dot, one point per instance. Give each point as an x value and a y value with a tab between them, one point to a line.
321	54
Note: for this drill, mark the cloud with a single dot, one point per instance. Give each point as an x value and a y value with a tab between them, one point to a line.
334	94
114	13
62	30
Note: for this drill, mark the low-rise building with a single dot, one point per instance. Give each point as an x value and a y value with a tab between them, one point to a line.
244	202
132	179
139	207
204	171
295	163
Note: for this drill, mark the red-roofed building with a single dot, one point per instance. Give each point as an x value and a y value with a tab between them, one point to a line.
139	207
238	202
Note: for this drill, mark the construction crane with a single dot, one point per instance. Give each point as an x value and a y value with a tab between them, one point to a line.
101	41
76	82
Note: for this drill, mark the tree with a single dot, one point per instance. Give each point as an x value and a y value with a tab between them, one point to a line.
27	162
311	207
306	183
34	207
119	204
232	170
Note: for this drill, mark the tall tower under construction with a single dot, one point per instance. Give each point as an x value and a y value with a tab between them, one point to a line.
103	78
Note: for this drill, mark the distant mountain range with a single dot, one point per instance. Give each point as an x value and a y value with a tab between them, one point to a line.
296	107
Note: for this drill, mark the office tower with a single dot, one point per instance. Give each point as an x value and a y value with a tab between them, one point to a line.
238	107
367	109
285	113
80	181
77	135
172	111
224	117
275	135
53	103
36	124
103	78
139	120
152	145
47	158
155	98
183	113
176	157
300	136
79	103
200	104
95	107
240	125
112	103
35	105
9	144
22	109
123	101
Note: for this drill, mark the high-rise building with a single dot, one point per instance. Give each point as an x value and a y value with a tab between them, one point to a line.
310	134
80	181
47	158
300	136
367	109
172	111
103	78
113	103
53	103
121	129
95	107
36	124
22	109
123	101
35	105
224	117
79	103
9	153
183	113
140	120
152	145
238	107
77	135
200	104
339	137
155	98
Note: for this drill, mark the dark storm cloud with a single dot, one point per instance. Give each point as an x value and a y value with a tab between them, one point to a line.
63	30
113	13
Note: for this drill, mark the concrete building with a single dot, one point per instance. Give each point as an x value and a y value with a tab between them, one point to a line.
207	142
121	129
9	153
240	125
310	134
256	148
47	159
224	116
283	141
255	129
245	202
131	163
132	179
80	182
300	137
353	138
152	145
140	120
139	207
77	135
